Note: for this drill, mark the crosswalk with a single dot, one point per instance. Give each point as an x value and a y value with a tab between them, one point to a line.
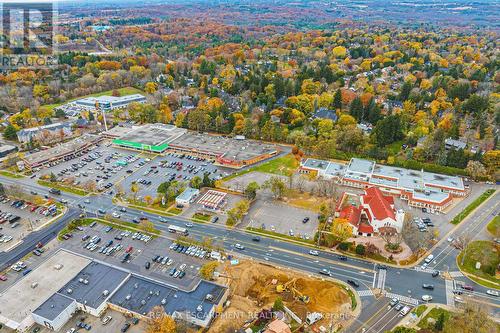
426	270
365	293
403	299
456	274
381	279
450	297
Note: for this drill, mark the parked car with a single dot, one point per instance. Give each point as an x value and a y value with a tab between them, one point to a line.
106	320
353	283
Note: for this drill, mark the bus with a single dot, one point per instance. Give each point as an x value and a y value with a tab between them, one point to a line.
175	229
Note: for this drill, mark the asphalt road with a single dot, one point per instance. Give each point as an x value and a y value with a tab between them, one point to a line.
402	283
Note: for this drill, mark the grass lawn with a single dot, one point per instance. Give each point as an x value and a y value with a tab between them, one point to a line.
175	210
419	310
488	255
434	314
63	188
123	92
303	200
72	226
494	226
473	205
10	174
284	165
201	217
395	147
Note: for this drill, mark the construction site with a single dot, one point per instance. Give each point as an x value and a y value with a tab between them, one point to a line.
254	288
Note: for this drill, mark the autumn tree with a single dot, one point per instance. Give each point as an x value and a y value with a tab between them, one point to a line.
474	318
476	170
207	270
159	322
276	185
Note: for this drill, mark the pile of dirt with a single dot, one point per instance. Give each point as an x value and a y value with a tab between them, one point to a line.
253	288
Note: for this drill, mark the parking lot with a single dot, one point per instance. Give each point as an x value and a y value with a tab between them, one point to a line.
134	253
284	219
18	218
106	166
168	168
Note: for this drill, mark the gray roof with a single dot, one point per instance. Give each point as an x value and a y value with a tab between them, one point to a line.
188	194
53	306
140	295
100	278
455	143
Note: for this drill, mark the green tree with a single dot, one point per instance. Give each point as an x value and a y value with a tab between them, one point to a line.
278	304
337	100
251	190
195	182
10	133
163	187
439	325
360	249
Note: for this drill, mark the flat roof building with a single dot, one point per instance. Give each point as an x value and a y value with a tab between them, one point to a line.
62	152
418	187
187	196
213	200
230	152
68	282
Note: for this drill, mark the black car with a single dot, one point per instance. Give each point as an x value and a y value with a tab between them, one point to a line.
435	273
381	266
342	257
428	286
125	327
353	283
135	321
256	239
147	265
305	220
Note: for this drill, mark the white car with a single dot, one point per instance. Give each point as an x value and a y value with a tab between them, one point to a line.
239	246
106	320
116	215
314	253
427	298
492	292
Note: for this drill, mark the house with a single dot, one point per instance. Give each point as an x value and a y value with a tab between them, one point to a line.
454	144
374	214
277	326
187	196
325	113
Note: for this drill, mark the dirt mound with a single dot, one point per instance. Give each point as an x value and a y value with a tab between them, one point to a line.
253	287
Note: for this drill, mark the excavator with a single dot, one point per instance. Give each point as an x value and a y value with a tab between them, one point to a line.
290	287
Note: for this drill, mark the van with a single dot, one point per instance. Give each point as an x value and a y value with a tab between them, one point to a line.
429	259
404	311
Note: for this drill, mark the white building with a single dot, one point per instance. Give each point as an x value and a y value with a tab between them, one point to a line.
187	196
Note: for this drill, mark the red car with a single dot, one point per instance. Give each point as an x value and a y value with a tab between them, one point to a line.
129	249
3	278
